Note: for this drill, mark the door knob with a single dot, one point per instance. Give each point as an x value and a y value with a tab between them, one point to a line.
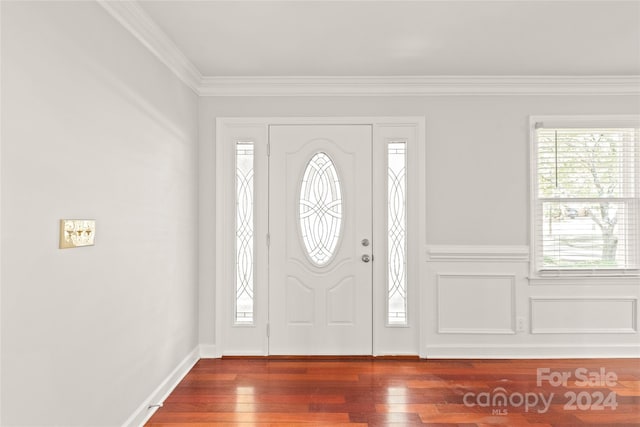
366	258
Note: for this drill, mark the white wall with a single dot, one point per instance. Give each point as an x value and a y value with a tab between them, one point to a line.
93	126
477	184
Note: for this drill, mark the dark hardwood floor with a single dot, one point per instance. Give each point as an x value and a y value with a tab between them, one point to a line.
405	392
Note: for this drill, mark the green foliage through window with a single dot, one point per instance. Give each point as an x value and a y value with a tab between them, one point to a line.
587	198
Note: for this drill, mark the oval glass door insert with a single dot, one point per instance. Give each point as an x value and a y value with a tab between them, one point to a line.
320	209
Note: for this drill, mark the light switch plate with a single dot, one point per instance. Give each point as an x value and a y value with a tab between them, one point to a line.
77	232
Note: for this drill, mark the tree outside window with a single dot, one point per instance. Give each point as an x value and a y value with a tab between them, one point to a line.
587	197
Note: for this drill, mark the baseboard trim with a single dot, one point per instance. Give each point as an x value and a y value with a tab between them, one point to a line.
209	351
144	412
532	352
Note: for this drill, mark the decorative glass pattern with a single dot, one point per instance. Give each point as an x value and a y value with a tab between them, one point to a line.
320	209
396	196
244	233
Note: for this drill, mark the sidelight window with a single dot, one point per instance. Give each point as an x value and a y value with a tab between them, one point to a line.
244	233
396	238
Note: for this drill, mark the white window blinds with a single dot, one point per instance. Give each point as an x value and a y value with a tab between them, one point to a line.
586	202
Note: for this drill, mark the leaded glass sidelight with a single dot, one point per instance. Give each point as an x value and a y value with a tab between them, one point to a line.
397	221
244	233
320	209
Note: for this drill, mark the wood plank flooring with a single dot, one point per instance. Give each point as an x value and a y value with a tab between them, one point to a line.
404	392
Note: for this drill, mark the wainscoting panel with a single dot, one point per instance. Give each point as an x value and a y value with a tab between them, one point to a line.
480	302
476	304
583	315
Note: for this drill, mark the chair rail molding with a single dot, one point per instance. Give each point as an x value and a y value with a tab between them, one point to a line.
477	253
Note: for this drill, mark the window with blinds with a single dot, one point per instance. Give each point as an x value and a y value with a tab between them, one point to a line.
586	201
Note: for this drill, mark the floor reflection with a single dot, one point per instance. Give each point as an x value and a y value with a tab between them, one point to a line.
396	404
246	407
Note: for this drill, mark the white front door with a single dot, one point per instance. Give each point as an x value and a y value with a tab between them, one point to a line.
320	249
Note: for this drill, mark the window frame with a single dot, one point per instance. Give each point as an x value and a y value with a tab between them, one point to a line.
535	235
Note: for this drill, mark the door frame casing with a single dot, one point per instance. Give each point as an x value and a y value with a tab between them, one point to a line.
252	340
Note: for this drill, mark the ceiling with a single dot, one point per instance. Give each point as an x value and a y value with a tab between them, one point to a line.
403	38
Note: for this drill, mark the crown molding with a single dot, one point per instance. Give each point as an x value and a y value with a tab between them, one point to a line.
133	17
419	85
144	28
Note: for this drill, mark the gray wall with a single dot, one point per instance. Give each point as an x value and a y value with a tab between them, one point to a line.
93	126
477	148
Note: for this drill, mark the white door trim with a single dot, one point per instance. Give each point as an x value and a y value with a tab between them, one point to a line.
252	340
